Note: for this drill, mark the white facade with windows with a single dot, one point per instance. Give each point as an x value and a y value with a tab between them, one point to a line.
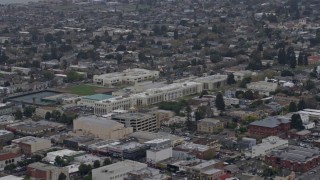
126	77
150	96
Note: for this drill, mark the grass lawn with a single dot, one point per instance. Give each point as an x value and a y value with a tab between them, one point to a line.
84	89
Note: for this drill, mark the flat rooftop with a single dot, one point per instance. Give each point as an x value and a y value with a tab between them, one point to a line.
30	140
121	165
34	98
98	97
131	116
98	120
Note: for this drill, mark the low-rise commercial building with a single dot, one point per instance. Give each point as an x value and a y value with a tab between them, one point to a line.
138	121
125	150
268	144
31	144
207	169
51	156
9	155
294	158
29	128
191	150
144	136
37	171
147	174
6	136
117	171
101	127
160	149
209	125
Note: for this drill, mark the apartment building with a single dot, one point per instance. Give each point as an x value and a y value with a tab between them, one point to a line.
209	125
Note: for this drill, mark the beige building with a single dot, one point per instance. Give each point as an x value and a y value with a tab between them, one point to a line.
101	127
209	125
31	144
262	87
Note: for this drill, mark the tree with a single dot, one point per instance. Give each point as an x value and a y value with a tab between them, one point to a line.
214	58
18	114
189	123
10	167
28	111
300	59
59	161
6	84
292	107
281	56
296	122
244	82
121	47
47	116
62	176
230	79
308	85
204	92
268	172
96	164
56	115
84	169
175	34
248	95
47	75
48	37
293	60
305	60
285	73
301	105
106	162
260	47
73	76
220	102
